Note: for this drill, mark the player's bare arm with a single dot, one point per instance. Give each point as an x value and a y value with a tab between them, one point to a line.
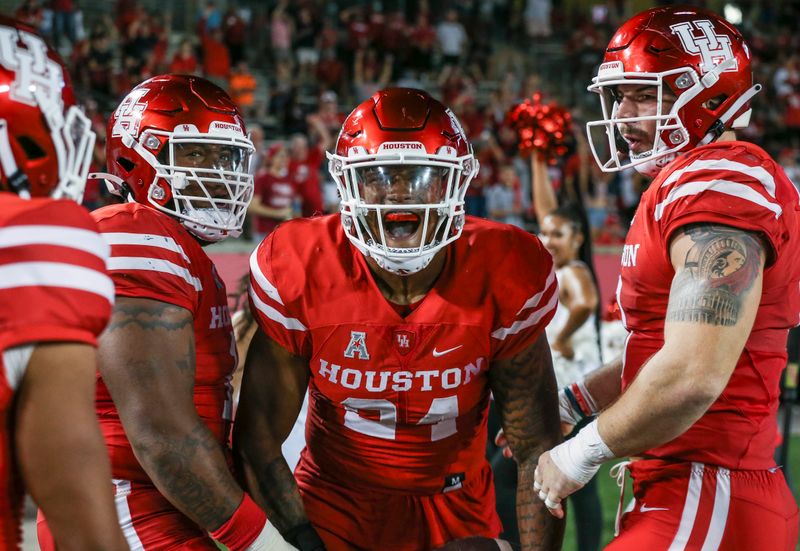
273	387
604	383
524	389
147	360
74	492
713	299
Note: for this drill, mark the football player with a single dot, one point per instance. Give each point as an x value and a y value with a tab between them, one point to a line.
178	155
399	315
55	299
708	290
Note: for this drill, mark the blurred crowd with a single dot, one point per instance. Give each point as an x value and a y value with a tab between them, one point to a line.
297	68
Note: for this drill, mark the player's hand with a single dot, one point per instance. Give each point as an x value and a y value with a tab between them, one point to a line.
563	347
552	486
502	442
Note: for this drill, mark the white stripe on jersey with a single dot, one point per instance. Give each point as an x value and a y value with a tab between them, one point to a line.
122	491
264	283
273	314
742	191
719	516
145	240
62	236
123	263
755	172
533	319
56	274
15	362
690	506
534	300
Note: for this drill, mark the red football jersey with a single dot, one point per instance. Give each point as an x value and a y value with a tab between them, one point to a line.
154	257
399	404
736	184
53	287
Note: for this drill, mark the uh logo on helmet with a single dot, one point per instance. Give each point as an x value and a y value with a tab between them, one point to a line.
695	61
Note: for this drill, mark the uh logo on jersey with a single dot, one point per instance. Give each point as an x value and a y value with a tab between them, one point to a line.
713	48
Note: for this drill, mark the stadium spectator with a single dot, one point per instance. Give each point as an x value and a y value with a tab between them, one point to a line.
504	201
216	59
275	197
305	163
452	39
234	30
243	87
281	29
184	61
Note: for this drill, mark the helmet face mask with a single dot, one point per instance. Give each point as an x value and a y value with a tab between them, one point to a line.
402	201
193	165
689	53
46	142
670	135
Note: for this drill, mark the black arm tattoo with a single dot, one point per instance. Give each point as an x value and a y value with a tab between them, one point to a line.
283	503
720	268
151	379
175	464
525	393
157	315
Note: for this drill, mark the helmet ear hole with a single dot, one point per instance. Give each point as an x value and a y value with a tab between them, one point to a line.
32	149
714	103
125	164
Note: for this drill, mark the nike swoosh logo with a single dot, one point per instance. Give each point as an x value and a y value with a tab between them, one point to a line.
437	353
645	509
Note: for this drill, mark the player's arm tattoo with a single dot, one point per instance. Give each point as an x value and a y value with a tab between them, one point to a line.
524	389
718	270
282	498
147	359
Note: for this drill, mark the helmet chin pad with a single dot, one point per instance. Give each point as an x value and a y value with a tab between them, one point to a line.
405	266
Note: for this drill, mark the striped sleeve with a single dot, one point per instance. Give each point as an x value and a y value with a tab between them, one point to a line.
530	305
274	314
53	280
741	191
148	261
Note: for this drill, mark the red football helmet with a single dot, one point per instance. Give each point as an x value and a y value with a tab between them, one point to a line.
402	166
46	142
177	143
702	59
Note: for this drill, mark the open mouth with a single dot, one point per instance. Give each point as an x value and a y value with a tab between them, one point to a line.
401	224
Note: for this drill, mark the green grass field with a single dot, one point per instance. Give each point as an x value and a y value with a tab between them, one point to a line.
609	495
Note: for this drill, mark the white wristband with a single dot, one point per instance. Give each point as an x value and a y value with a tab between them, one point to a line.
270	540
579	458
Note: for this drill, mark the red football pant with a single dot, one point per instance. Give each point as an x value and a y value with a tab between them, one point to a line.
692	506
353	520
148	520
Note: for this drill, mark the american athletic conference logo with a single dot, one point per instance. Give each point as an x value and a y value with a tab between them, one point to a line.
712	47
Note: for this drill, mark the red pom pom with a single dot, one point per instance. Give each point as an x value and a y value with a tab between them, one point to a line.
541	128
